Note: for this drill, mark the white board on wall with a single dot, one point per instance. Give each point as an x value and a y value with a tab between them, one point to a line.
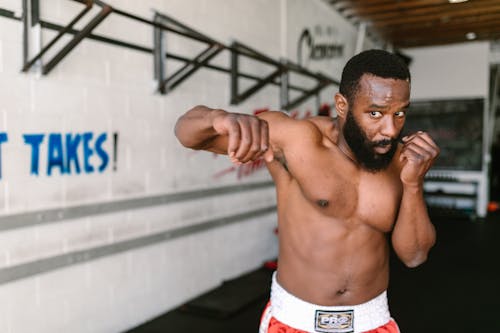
454	71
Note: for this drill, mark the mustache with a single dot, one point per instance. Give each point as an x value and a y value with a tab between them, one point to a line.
383	143
387	142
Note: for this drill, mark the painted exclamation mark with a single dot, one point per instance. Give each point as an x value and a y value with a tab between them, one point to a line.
3	138
115	149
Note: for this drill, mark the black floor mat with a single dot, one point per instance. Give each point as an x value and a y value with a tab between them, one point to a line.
232	296
456	290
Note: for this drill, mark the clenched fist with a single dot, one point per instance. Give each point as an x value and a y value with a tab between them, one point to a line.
417	155
248	136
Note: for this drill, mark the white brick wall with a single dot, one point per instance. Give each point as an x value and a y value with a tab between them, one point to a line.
102	88
29	244
117	292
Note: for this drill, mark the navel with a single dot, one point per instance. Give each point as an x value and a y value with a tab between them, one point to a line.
341	291
323	203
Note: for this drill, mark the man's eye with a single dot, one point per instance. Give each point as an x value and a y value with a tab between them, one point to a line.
375	114
400	114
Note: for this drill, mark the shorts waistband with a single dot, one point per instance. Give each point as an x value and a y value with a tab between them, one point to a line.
309	317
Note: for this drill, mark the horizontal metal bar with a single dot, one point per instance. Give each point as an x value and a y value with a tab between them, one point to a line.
262	82
112	41
301	70
251	53
15	221
77	39
192	64
9	14
57	27
226	70
240	48
83	1
61	33
195	66
196	36
181	25
299	100
41	266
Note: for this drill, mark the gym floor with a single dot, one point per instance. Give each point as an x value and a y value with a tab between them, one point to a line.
456	290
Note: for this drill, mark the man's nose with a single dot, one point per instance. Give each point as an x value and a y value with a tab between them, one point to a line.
389	128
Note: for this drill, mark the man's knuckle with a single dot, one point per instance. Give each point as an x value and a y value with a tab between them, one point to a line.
231	123
245	141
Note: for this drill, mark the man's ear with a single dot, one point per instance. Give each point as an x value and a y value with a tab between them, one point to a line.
341	105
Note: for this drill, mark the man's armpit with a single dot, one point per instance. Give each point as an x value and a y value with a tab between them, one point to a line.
280	157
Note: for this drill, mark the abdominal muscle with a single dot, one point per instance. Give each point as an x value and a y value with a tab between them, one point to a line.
331	262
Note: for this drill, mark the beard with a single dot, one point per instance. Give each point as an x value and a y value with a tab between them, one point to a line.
363	148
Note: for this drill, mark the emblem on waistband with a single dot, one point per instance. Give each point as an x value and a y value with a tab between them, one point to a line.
334	321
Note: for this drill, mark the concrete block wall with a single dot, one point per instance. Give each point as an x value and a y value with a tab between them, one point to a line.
103	251
328	28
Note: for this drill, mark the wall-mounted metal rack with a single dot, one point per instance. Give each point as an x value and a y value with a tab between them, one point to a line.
162	25
167	83
9	14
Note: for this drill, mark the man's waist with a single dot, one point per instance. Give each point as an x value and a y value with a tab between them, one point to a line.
310	317
332	287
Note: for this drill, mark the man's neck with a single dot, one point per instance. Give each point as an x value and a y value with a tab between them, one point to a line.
344	147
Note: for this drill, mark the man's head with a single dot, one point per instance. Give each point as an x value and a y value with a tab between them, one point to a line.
374	95
378	63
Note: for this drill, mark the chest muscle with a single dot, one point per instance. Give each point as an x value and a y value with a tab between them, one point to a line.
336	189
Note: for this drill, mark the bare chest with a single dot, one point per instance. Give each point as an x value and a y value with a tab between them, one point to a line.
341	192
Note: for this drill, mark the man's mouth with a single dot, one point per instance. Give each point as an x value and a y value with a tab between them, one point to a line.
382	148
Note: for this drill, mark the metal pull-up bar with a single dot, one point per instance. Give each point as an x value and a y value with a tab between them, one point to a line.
162	24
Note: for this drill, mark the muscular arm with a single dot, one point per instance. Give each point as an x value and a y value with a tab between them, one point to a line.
414	234
195	130
243	137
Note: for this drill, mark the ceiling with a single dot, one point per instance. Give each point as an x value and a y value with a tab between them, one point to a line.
411	23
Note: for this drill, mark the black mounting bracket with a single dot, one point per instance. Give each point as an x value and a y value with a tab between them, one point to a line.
237	50
321	82
168	83
9	14
77	38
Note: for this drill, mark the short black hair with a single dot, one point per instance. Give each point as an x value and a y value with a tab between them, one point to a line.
376	62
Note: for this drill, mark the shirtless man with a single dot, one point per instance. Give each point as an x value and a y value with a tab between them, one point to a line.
343	185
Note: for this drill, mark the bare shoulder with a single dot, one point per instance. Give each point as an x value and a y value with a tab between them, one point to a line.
324	123
327	126
283	128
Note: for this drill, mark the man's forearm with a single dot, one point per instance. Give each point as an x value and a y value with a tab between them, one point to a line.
413	234
195	128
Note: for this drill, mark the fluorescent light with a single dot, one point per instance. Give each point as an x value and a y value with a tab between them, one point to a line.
470	35
457	1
